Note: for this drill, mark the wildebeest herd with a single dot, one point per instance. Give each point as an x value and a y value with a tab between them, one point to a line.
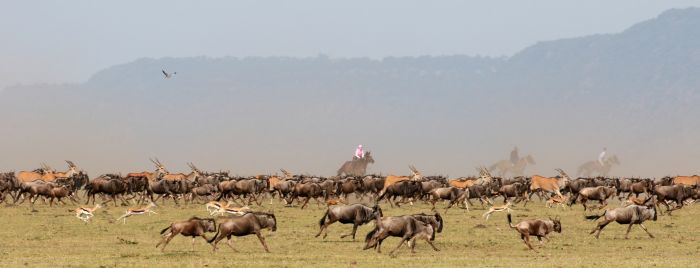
231	198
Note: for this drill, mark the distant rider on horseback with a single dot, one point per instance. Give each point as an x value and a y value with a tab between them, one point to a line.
601	157
514	157
359	154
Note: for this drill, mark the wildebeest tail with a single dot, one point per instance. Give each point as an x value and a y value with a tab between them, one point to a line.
595	217
371	233
323	219
510	222
215	236
166	228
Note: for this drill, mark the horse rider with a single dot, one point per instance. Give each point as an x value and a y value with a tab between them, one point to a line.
601	157
514	157
359	154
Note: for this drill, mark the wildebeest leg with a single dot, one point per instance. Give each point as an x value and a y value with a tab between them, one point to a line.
306	201
583	202
600	227
645	229
166	240
526	239
629	227
230	244
403	240
262	240
431	244
354	230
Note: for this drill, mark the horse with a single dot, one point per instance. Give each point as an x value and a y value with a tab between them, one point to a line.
504	166
356	167
593	167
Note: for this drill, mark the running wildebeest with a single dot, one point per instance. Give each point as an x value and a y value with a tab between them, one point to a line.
108	184
536	227
404	189
408	227
247	224
193	227
631	215
455	195
600	193
357	214
677	193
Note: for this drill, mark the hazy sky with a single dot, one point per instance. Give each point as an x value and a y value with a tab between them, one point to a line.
67	41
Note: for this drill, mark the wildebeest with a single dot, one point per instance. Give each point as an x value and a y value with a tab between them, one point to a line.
193	227
356	167
408	227
108	184
453	194
631	215
677	193
357	214
518	190
348	186
308	190
247	224
600	193
536	227
404	189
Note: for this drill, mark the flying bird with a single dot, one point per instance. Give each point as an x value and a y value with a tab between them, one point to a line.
168	75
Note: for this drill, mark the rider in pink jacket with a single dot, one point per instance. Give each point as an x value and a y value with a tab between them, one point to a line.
358	152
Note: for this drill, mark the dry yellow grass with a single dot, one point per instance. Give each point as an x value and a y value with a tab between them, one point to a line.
54	237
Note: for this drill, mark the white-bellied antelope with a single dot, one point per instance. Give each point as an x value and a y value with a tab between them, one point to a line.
557	201
85	213
493	209
138	211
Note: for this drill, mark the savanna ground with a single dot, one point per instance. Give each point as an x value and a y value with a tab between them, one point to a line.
54	237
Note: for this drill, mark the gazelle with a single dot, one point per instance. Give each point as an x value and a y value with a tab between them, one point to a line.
557	201
231	210
85	213
493	209
138	211
214	206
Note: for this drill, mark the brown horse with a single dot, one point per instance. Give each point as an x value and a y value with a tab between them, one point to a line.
593	167
357	166
504	166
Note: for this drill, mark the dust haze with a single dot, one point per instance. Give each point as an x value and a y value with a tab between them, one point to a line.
561	101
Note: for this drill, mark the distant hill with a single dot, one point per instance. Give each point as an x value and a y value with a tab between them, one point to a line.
635	92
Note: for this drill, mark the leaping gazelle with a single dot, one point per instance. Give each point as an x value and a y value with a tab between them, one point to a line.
493	209
138	211
85	213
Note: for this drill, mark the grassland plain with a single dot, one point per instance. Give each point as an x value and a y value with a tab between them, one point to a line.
53	237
